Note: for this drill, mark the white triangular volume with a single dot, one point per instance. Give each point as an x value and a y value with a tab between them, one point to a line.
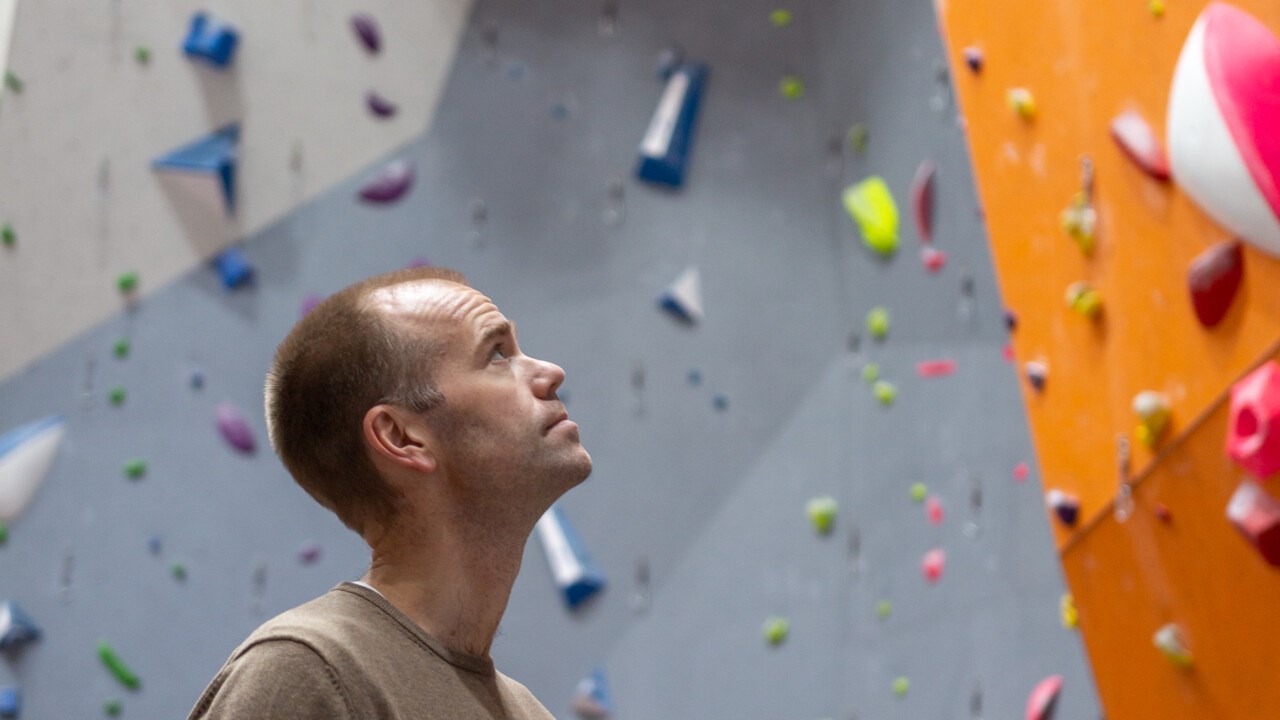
8	12
686	292
26	454
1204	157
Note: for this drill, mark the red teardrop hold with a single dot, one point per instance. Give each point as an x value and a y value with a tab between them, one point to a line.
922	199
1214	278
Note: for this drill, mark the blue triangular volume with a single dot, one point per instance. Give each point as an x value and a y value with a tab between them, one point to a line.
214	153
16	629
591	700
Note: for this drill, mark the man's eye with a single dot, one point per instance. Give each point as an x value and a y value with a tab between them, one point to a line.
497	354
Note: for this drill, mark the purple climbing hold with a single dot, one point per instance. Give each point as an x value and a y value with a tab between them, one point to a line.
391	182
234	428
309	553
367	30
309	303
379	105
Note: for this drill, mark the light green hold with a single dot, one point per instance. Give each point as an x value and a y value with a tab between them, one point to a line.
135	469
117	667
121	348
7	235
780	17
878	322
822	513
919	491
885	392
179	571
791	87
776	630
4	533
871	205
142	54
859	136
13	82
884	609
900	686
870	373
113	707
116	396
127	282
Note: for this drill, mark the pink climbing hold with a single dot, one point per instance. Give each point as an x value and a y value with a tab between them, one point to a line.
1043	698
932	258
922	199
1008	353
1021	471
1253	433
234	428
933	510
1138	141
935	368
933	564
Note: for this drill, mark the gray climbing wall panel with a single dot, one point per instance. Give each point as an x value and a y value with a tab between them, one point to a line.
712	501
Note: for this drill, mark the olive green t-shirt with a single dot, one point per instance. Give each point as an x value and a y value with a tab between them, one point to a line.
351	654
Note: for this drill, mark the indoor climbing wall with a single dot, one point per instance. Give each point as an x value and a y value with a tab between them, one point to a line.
815	493
1127	164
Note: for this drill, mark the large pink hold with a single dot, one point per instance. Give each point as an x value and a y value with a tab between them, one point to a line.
1253	435
234	428
935	561
1043	698
1213	280
391	182
1224	123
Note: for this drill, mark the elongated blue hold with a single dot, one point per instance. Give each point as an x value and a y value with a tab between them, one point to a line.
26	454
575	573
664	151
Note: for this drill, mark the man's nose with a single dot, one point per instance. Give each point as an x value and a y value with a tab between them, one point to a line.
547	379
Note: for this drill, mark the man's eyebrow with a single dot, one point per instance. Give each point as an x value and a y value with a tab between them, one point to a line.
505	327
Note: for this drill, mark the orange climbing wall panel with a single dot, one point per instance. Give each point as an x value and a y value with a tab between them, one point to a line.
1086	61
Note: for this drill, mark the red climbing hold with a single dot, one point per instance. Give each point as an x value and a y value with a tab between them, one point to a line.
922	199
1213	279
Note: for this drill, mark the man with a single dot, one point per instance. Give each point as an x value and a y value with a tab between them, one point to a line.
404	405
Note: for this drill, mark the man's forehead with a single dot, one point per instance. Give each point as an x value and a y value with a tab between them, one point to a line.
434	301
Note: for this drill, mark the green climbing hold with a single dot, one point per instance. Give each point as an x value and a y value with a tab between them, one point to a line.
142	54
822	513
919	491
179	571
878	322
117	667
13	82
121	348
116	396
780	17
4	533
884	609
776	630
859	135
871	205
7	235
135	469
900	686
870	373
885	392
113	707
127	282
791	87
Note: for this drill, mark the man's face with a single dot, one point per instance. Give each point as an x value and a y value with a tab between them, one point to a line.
505	438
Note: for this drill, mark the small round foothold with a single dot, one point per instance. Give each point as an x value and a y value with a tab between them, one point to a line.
113	707
121	348
135	469
1021	471
885	392
154	546
919	491
934	562
1037	373
1084	299
196	379
822	514
859	136
776	630
142	54
933	510
1023	103
900	686
695	377
973	58
780	17
878	323
884	609
791	87
720	402
127	282
1010	320
179	571
116	395
309	553
1163	513
1157	8
870	373
7	235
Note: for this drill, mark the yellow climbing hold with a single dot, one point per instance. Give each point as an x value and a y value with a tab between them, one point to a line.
1023	103
871	205
1070	616
780	17
1157	8
791	87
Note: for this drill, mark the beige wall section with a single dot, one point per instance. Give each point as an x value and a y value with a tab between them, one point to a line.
76	143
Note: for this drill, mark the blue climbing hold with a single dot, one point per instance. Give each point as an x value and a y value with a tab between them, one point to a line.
16	628
233	268
10	702
664	151
211	40
211	158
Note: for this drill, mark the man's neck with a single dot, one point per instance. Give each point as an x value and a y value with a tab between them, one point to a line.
454	587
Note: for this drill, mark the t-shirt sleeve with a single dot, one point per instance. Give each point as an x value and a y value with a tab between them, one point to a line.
274	680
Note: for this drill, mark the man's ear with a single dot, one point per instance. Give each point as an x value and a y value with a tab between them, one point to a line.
399	437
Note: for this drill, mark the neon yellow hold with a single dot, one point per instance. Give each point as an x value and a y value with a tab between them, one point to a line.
1080	220
776	630
1153	413
1070	616
871	205
1082	298
1156	7
780	17
878	322
1168	640
1023	103
791	87
822	513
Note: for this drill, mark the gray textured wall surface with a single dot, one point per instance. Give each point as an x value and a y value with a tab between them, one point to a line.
712	500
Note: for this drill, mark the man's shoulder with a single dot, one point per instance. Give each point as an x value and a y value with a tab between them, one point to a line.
336	622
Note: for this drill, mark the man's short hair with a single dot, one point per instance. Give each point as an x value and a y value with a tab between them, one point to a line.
341	359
